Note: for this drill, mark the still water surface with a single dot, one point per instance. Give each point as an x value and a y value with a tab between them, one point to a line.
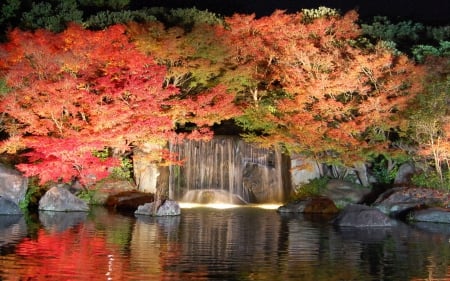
210	244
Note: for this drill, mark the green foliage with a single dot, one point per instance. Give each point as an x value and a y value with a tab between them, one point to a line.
383	29
420	52
255	119
87	195
313	188
4	89
432	179
124	171
410	37
439	33
185	18
104	19
52	15
102	154
193	16
385	170
33	194
8	10
310	15
429	128
106	4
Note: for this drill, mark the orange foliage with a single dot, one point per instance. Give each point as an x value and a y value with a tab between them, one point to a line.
337	94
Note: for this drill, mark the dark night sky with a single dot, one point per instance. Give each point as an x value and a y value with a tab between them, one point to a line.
431	11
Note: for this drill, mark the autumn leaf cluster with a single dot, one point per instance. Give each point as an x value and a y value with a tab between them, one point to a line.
303	83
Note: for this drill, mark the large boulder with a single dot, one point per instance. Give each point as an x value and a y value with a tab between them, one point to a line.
355	215
344	192
58	198
13	186
404	174
168	208
304	170
311	205
437	215
107	188
7	207
400	200
128	200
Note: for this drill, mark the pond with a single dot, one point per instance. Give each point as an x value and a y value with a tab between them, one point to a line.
245	243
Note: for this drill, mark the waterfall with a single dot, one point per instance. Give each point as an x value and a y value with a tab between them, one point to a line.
226	169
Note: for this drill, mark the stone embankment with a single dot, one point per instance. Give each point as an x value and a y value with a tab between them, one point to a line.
395	204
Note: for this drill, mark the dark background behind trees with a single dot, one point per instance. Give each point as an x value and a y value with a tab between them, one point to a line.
431	11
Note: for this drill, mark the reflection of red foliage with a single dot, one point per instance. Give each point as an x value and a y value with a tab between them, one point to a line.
68	256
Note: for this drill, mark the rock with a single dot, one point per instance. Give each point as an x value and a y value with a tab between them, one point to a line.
344	193
312	205
356	215
128	200
432	227
397	201
60	199
438	215
109	187
404	174
360	169
13	185
7	207
168	208
304	170
263	182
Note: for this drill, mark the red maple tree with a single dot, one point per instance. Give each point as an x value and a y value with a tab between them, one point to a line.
80	91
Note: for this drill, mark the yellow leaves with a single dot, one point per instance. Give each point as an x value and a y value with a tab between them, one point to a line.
12	145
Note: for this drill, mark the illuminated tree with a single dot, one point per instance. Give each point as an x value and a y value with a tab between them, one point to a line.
313	90
429	119
80	91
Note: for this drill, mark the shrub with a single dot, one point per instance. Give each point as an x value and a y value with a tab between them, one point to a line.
313	188
433	180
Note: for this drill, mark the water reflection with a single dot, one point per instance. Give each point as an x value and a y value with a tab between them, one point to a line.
12	230
60	221
212	244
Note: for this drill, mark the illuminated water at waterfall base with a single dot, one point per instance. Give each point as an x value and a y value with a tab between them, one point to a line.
235	244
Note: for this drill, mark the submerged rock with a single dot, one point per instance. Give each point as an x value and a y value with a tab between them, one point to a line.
312	205
168	208
438	215
355	215
397	201
60	199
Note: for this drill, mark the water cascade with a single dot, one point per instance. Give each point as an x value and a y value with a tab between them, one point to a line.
228	170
